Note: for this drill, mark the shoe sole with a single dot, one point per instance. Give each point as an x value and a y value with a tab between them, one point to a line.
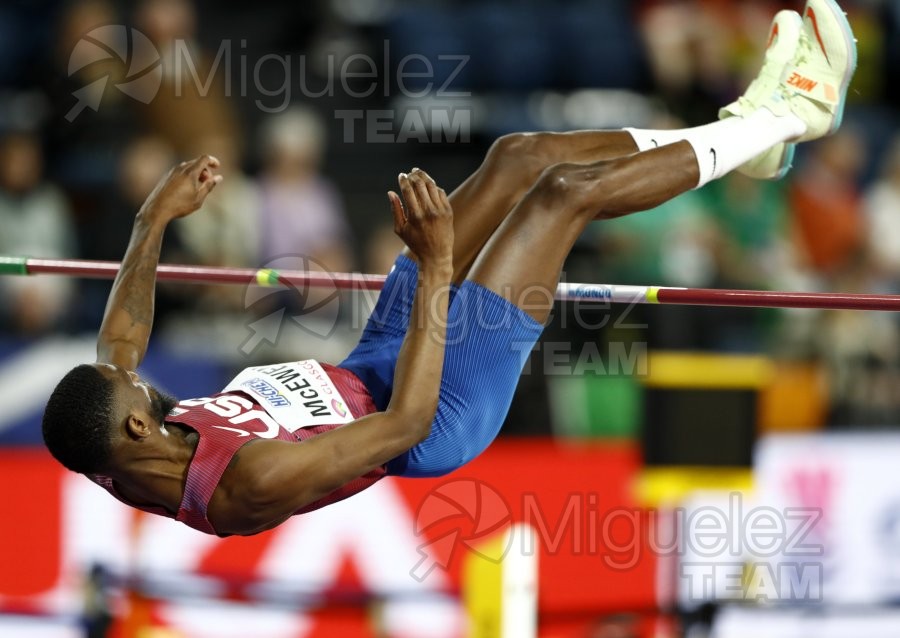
787	160
850	68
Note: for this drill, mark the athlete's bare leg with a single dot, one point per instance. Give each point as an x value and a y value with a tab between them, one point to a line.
523	258
823	49
511	167
516	163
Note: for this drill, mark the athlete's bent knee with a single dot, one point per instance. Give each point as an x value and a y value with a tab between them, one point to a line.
518	153
560	182
575	188
510	146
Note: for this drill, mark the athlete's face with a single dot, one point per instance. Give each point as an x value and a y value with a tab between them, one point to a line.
135	394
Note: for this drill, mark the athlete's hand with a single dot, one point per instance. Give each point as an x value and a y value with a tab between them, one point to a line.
424	217
182	190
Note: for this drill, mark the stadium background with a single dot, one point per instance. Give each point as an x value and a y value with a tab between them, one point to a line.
622	410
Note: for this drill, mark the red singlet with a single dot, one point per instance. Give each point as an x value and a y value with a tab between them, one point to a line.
224	423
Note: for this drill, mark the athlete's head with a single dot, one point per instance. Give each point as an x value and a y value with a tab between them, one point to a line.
95	408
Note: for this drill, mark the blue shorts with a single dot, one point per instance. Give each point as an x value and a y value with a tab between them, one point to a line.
489	340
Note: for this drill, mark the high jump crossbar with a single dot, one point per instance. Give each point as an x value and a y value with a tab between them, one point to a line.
597	293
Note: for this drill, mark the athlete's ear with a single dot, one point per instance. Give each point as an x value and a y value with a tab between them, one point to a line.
137	426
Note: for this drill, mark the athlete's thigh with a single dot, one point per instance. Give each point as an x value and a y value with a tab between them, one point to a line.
488	342
374	358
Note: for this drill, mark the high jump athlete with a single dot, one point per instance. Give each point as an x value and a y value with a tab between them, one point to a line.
428	386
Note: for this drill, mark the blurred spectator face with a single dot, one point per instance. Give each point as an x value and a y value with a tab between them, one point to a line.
843	153
292	144
164	21
144	162
21	163
79	19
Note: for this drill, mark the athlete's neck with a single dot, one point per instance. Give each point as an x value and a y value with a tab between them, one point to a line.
156	475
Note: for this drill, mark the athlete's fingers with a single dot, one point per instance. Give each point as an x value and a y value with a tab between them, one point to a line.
434	193
431	188
190	167
427	177
207	186
209	161
421	186
397	210
201	163
445	201
413	209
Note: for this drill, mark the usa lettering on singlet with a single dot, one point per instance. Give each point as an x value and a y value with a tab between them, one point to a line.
297	395
291	402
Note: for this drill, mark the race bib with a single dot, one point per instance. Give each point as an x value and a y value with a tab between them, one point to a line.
297	395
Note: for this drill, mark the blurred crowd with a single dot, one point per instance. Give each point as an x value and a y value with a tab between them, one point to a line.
70	186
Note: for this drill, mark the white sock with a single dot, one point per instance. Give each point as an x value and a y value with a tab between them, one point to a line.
722	146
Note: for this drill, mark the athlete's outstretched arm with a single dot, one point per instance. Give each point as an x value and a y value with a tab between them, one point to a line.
274	479
128	319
